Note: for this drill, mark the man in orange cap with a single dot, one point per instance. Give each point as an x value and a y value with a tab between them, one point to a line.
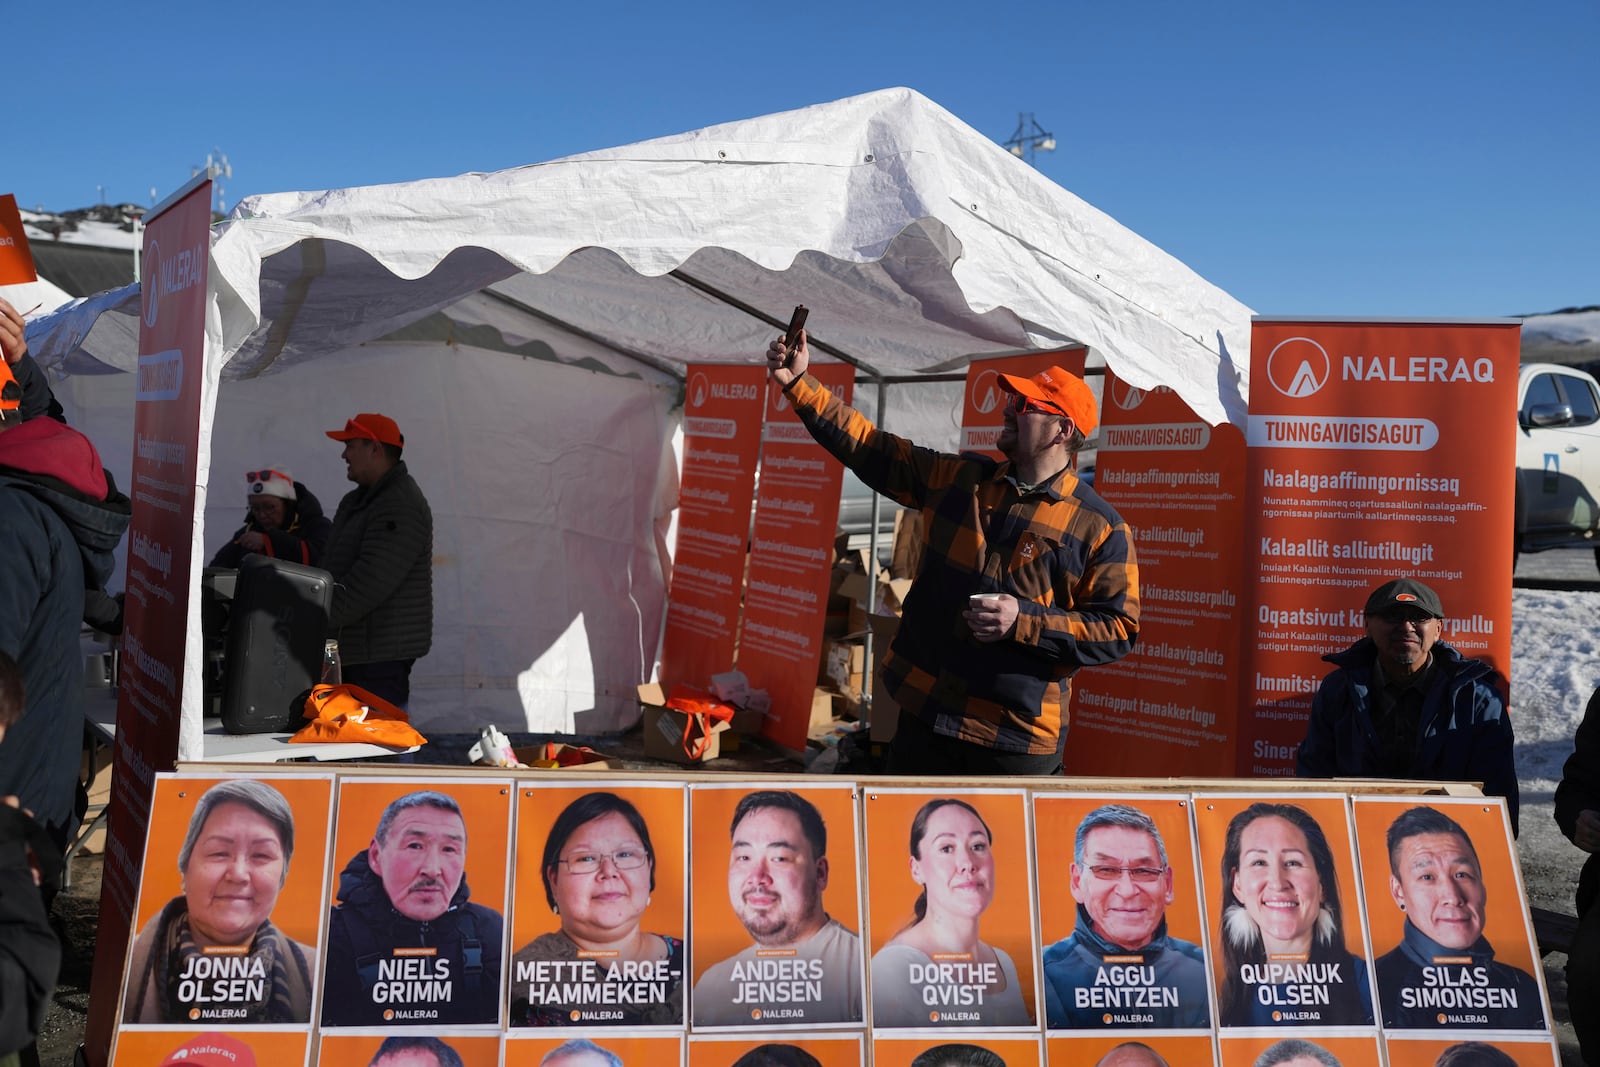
381	557
1026	575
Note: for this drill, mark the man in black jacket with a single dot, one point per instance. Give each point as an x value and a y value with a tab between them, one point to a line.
405	943
381	557
1578	815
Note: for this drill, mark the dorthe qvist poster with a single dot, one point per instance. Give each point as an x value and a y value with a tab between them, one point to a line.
1377	450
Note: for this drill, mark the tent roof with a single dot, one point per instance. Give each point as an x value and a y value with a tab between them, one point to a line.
917	242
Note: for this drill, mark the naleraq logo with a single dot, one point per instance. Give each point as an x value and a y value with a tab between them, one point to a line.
150	283
1298	367
698	390
1125	396
986	392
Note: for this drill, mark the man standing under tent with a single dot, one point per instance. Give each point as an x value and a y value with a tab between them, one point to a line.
381	557
1027	575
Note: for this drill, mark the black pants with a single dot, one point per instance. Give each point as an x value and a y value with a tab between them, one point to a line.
1583	983
916	749
387	680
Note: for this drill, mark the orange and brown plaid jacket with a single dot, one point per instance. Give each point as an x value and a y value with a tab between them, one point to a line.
1063	552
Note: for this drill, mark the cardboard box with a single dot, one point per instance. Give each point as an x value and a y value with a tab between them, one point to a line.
664	729
842	662
566	757
821	708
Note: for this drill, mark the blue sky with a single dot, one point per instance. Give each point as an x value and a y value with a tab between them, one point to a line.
1403	158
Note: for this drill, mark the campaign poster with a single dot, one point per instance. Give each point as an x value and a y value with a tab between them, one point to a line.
1155	1049
1369	459
416	934
609	1049
1123	942
179	1048
1497	1050
775	908
983	403
721	441
599	912
229	921
1448	916
838	1050
18	278
950	908
1169	705
955	1050
1310	1050
1284	908
408	1050
791	560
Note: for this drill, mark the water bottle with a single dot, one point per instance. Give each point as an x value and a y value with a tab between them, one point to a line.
331	671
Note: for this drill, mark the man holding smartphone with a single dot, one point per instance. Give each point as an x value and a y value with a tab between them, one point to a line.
1027	574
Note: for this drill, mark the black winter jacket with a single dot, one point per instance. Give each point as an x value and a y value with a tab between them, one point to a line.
1579	790
303	541
381	557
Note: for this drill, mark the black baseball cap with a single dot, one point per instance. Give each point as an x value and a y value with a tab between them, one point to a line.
1404	592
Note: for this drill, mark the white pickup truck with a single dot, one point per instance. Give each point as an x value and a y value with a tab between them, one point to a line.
1558	459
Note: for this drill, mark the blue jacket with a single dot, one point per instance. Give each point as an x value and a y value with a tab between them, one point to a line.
1464	732
1477	994
1178	968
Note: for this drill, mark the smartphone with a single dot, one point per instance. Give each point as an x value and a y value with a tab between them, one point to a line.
791	336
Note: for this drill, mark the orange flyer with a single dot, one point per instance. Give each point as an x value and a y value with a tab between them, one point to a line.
983	403
819	1051
1169	705
416	936
16	261
1123	944
1448	915
791	561
954	1050
231	901
1288	941
782	861
1368	461
525	1050
1425	1052
175	1048
598	905
950	909
721	440
1091	1050
377	1050
1251	1051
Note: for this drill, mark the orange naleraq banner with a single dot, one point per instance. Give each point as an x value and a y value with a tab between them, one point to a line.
722	437
1179	483
983	405
1375	452
17	273
791	560
161	560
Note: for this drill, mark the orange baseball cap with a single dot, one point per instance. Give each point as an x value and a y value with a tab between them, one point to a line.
10	395
211	1050
369	426
1065	392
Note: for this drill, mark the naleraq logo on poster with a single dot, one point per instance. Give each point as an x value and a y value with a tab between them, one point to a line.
1125	396
986	392
150	290
1298	367
698	390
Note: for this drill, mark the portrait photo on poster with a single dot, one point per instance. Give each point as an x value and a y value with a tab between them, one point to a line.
416	935
1289	942
967	1049
1486	1050
230	902
782	860
409	1049
1122	942
600	1049
598	905
949	908
192	1048
787	1050
1303	1049
1448	915
1148	1049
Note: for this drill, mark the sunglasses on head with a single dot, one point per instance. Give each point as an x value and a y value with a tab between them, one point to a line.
1024	404
264	476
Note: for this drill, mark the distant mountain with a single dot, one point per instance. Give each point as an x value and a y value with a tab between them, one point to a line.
1571	336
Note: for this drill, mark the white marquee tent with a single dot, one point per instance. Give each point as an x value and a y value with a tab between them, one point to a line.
529	330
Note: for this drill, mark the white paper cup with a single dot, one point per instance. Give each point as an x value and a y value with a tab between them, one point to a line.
981	600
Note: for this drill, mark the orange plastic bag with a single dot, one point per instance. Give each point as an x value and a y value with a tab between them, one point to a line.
700	710
350	713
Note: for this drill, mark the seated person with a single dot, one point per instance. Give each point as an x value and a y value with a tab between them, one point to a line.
285	521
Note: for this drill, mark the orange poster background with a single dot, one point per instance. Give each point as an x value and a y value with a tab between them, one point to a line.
1314	555
836	1051
356	1050
16	261
1212	814
891	894
721	440
791	561
666	1050
1505	910
146	1048
298	912
1243	1051
900	1051
1186	1049
717	934
1055	825
538	807
983	402
1537	1052
485	808
1170	706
